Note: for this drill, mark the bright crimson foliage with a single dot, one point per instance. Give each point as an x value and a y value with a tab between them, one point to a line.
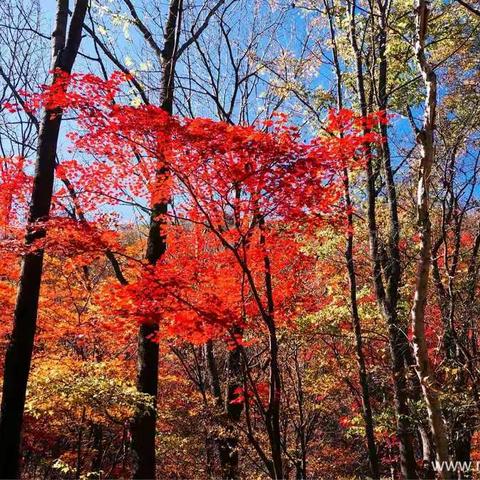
239	196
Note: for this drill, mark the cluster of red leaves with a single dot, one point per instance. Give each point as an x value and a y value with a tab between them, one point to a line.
240	196
259	393
70	238
199	291
14	187
73	91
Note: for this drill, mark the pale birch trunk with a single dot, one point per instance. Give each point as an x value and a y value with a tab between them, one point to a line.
425	143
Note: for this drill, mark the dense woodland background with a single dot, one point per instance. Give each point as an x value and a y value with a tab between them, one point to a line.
241	241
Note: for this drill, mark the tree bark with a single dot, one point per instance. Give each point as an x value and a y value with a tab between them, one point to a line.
19	352
230	466
275	388
399	346
425	141
273	412
227	442
387	306
98	448
143	427
357	329
350	262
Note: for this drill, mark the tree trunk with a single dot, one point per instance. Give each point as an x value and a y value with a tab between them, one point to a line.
349	258
387	307
98	448
362	369
426	145
273	411
143	427
274	400
399	347
228	443
462	445
427	453
20	347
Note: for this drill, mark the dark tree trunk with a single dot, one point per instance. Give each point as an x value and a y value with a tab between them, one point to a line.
143	427
229	460
349	258
462	445
98	446
404	428
213	371
274	400
144	423
362	369
387	300
273	411
19	351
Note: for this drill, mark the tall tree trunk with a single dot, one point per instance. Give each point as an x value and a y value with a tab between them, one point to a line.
19	352
273	411
362	369
143	427
230	469
425	141
427	452
399	345
388	308
275	388
349	258
227	442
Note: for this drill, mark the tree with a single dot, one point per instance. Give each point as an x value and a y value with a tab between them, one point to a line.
237	183
65	47
426	142
352	274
